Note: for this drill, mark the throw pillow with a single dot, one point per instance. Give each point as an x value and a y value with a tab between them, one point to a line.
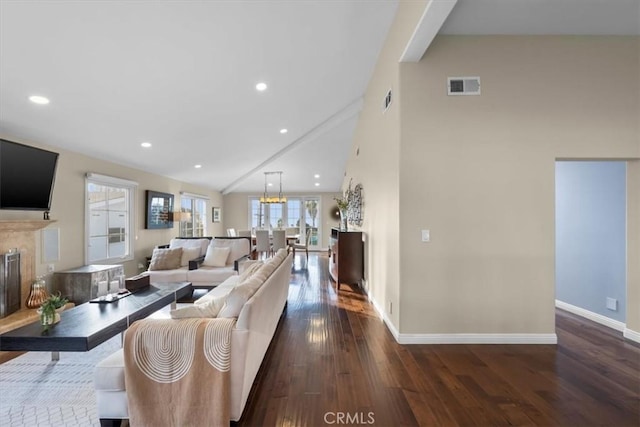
188	254
249	270
236	299
165	259
216	257
209	309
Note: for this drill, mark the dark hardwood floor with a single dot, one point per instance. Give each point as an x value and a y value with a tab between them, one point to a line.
333	362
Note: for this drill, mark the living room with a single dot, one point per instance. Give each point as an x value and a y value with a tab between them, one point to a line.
477	173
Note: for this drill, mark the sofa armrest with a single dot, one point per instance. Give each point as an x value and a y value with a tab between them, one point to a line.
236	263
195	263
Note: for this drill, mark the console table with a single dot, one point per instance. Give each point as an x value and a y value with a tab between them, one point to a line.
346	264
90	324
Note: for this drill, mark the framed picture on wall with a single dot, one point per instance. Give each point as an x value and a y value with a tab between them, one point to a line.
159	210
216	214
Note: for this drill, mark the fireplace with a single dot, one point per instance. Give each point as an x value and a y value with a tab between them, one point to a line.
20	236
10	283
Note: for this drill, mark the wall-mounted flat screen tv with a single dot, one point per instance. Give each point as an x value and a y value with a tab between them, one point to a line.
27	175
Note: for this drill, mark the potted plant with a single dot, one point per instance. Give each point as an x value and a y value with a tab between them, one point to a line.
343	205
50	310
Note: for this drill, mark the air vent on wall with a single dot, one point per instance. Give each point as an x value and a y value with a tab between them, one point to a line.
387	101
463	85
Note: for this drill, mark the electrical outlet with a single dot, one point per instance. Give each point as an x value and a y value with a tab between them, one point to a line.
51	268
612	304
390	307
426	235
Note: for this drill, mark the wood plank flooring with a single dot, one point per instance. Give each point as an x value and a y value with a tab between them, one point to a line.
333	362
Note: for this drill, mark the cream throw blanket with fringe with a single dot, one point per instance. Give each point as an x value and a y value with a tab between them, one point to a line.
177	372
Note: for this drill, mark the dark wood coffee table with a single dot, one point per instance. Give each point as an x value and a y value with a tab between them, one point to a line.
90	324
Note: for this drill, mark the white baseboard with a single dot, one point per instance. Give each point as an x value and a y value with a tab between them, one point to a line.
478	339
462	338
631	335
385	319
598	318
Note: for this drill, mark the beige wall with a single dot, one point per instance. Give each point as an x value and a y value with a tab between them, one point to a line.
376	167
236	212
478	172
68	207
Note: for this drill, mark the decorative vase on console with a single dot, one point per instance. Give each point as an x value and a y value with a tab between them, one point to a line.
344	223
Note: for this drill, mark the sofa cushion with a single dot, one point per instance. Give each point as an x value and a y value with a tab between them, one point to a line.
236	299
216	257
188	254
212	275
249	270
211	308
175	275
239	247
201	244
165	259
222	289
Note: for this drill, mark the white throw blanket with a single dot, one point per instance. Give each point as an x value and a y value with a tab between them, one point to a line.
177	372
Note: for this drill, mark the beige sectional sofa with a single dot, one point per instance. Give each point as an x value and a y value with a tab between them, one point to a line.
256	324
191	264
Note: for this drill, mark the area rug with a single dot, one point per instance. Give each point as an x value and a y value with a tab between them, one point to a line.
39	392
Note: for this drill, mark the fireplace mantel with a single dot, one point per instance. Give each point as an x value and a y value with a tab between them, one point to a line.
24	224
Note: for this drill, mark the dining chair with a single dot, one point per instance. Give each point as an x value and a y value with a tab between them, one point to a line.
304	245
291	231
244	233
263	243
279	240
231	232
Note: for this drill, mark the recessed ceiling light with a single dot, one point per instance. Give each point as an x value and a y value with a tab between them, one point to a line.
283	131
197	166
317	184
261	86
316	176
37	99
270	184
146	145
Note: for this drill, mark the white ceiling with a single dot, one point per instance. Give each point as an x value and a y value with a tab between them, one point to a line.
541	17
182	76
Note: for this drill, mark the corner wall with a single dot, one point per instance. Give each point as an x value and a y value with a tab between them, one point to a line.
374	162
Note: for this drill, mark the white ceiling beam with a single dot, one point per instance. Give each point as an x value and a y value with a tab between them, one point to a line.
325	126
428	27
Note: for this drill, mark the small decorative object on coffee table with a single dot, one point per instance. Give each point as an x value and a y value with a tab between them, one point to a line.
38	293
50	310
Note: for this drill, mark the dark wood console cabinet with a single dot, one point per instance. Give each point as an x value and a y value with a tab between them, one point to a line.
347	257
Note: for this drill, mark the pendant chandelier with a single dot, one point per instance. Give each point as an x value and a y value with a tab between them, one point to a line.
266	197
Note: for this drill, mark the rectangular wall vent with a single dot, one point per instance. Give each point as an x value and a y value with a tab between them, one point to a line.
463	85
387	101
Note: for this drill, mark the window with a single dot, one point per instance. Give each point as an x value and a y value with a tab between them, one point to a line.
298	212
109	213
193	215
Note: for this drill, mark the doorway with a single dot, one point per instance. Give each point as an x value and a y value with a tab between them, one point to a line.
591	239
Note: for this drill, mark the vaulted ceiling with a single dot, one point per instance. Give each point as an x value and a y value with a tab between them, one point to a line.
183	75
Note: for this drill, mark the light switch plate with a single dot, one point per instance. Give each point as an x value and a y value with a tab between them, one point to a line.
426	236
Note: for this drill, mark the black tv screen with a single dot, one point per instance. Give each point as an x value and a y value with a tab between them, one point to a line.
27	175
